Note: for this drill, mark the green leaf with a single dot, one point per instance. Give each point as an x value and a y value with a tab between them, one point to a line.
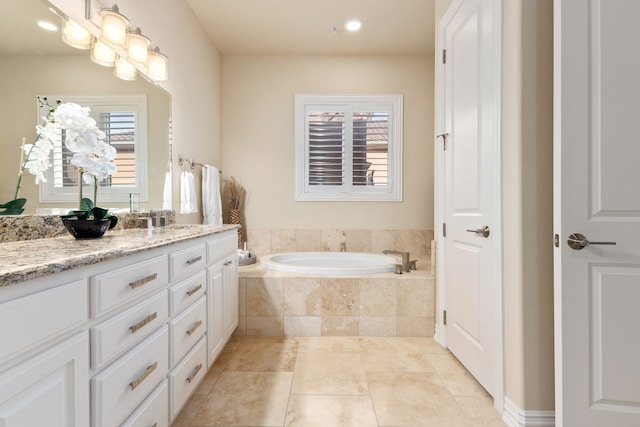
86	204
13	207
113	219
100	213
76	214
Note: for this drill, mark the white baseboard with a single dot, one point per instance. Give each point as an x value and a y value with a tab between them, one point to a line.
437	336
516	417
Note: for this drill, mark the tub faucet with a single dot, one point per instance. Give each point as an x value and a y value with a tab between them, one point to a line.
404	255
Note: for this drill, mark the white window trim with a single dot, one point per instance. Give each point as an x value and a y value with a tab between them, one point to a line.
390	103
137	103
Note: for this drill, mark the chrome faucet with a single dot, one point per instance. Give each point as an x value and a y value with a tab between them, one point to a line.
404	255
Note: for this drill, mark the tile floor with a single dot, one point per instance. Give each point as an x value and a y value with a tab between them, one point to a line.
338	382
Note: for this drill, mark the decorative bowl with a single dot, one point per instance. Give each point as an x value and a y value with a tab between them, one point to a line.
86	228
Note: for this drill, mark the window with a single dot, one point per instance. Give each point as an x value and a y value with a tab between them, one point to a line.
348	147
123	118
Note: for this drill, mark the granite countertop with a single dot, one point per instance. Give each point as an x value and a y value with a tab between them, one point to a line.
30	259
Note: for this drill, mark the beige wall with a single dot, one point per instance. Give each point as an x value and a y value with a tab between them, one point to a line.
528	207
258	98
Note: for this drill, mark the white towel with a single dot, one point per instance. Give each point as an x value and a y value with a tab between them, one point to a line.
167	202
188	201
211	200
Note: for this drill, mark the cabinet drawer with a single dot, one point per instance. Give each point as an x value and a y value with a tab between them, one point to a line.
123	385
154	411
188	261
186	329
184	379
183	294
222	245
117	287
127	328
28	321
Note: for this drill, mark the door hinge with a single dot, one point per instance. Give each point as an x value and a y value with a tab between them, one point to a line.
444	229
556	240
444	139
444	317
444	56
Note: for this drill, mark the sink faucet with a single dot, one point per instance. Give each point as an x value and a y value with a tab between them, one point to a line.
404	255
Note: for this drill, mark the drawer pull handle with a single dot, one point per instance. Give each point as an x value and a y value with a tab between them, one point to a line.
143	281
195	372
194	290
154	425
135	383
150	318
194	327
227	263
194	260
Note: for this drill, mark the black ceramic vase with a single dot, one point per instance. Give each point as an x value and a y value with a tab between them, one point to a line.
86	228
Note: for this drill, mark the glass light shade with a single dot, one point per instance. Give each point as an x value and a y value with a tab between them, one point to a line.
124	69
157	66
114	28
138	49
74	35
103	54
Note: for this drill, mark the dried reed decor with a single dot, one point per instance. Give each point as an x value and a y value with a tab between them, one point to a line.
236	198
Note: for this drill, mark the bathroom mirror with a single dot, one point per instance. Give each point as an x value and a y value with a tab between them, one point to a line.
34	62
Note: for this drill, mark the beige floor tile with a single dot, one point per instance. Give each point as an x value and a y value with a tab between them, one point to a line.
262	354
481	411
456	378
189	411
329	373
414	399
332	344
246	399
395	361
325	411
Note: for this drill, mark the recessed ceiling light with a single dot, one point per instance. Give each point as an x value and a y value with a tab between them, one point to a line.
353	25
47	26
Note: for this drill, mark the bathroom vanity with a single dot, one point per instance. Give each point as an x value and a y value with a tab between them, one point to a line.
113	331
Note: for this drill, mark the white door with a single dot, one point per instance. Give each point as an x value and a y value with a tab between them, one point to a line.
597	195
469	122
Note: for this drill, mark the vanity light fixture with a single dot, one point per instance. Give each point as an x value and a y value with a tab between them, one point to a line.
157	66
353	24
124	69
114	27
103	54
138	48
76	36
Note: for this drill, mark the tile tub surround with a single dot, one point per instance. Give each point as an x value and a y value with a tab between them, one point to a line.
31	259
275	303
270	241
15	228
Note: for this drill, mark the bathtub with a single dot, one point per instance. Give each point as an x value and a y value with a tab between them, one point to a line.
329	262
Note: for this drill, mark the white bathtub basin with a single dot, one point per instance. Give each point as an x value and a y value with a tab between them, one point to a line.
329	262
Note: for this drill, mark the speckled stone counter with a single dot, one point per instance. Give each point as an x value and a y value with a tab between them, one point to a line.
30	259
14	228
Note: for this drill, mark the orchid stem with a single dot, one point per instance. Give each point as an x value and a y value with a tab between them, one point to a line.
80	173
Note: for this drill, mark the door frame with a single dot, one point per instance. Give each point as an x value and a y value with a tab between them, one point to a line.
440	207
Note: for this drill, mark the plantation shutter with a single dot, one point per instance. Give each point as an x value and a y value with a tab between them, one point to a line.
348	147
120	130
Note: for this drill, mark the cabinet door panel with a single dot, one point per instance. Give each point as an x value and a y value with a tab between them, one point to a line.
50	389
215	313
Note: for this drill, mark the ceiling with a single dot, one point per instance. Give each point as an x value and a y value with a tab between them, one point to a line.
268	27
311	27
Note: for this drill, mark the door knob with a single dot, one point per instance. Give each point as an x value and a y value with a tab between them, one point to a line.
578	241
484	231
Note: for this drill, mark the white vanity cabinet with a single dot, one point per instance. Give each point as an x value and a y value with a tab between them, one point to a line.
120	342
222	293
